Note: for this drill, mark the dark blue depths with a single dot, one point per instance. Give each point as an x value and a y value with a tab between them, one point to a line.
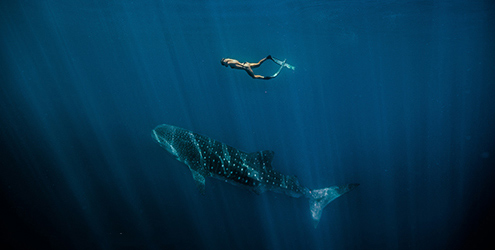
394	95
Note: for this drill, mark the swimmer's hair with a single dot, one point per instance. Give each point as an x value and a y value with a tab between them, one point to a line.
223	62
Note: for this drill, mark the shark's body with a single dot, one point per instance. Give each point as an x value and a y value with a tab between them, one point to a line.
206	157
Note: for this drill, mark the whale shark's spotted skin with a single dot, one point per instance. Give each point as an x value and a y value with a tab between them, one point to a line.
206	157
209	157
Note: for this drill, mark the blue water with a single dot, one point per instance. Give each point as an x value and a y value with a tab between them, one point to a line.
395	95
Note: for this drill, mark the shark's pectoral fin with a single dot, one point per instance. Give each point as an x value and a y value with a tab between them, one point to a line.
257	190
200	181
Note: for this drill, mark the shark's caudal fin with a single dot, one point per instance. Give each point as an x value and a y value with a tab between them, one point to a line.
319	199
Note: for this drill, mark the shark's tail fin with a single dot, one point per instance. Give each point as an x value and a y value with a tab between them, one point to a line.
319	198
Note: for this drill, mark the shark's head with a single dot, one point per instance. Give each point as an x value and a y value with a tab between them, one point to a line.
165	135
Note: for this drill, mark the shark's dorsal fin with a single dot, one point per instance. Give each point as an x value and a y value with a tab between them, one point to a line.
261	159
200	181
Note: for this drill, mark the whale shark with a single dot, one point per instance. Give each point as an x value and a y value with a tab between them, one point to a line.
207	157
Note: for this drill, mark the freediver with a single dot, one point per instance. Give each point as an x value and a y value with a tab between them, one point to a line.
248	67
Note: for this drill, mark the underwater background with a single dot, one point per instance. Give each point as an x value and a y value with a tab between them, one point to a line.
395	95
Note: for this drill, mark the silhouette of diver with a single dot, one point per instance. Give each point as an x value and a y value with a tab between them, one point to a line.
248	67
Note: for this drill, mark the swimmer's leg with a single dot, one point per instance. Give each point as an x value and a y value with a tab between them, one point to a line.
251	74
256	65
